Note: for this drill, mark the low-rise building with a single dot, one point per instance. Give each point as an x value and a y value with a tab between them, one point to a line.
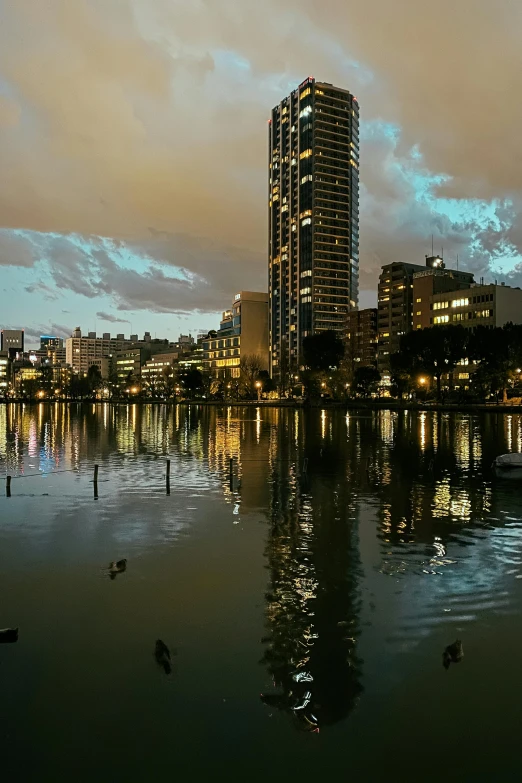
361	339
153	371
485	305
243	332
127	365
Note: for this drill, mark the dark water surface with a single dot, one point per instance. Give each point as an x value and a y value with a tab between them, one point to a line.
306	606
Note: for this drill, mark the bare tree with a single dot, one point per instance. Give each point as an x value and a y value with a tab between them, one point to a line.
249	368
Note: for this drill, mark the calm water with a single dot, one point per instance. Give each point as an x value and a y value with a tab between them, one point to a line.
306	611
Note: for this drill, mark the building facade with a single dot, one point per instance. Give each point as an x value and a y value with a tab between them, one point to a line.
313	217
479	305
126	366
156	368
48	341
12	341
434	281
82	352
398	294
243	332
361	339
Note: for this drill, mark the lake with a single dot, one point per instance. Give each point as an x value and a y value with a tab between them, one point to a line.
306	598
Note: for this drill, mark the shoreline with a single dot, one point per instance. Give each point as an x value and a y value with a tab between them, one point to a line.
372	405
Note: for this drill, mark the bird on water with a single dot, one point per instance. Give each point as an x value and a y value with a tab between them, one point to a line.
453	653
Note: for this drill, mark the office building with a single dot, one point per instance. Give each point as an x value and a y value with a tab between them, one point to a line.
4	370
396	302
50	342
156	369
12	341
478	305
243	332
83	352
313	217
126	366
434	281
361	339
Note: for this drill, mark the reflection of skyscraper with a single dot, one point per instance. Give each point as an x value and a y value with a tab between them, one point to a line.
312	599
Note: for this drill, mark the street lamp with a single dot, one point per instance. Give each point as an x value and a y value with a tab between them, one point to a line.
258	387
422	381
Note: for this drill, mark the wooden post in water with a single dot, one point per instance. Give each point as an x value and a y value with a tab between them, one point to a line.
8	486
231	470
167	475
95	482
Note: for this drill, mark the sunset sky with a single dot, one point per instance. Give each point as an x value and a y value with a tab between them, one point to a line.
133	149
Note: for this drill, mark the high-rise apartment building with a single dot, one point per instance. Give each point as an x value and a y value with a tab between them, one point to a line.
400	297
313	217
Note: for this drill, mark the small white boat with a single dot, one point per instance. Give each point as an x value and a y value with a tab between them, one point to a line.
507	463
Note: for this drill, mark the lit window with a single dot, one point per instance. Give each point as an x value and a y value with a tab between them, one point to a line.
307	178
306	222
306	273
418	300
419	326
305	154
304	291
441	319
305	93
419	312
440	305
463	376
306	299
460	302
306	213
284	208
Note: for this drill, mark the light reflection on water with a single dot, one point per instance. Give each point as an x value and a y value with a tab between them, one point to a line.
342	554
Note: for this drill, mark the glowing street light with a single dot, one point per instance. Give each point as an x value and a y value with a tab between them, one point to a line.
422	381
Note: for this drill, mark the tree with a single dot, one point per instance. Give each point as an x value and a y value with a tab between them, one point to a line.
192	381
250	367
322	351
366	380
94	378
435	351
400	373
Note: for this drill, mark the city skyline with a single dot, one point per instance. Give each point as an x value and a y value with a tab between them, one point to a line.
114	211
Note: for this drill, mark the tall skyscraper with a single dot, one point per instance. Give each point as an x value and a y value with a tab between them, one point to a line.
313	217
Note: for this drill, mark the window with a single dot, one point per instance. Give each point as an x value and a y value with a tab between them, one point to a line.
440	305
460	303
308	178
419	326
306	299
419	312
305	93
463	376
441	319
306	273
305	291
305	154
306	222
418	300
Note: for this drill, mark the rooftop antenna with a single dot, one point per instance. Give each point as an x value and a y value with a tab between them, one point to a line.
432	245
457	262
442	255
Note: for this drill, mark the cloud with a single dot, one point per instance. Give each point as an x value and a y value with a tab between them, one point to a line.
134	139
111	318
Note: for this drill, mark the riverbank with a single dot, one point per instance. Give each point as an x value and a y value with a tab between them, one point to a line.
374	405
